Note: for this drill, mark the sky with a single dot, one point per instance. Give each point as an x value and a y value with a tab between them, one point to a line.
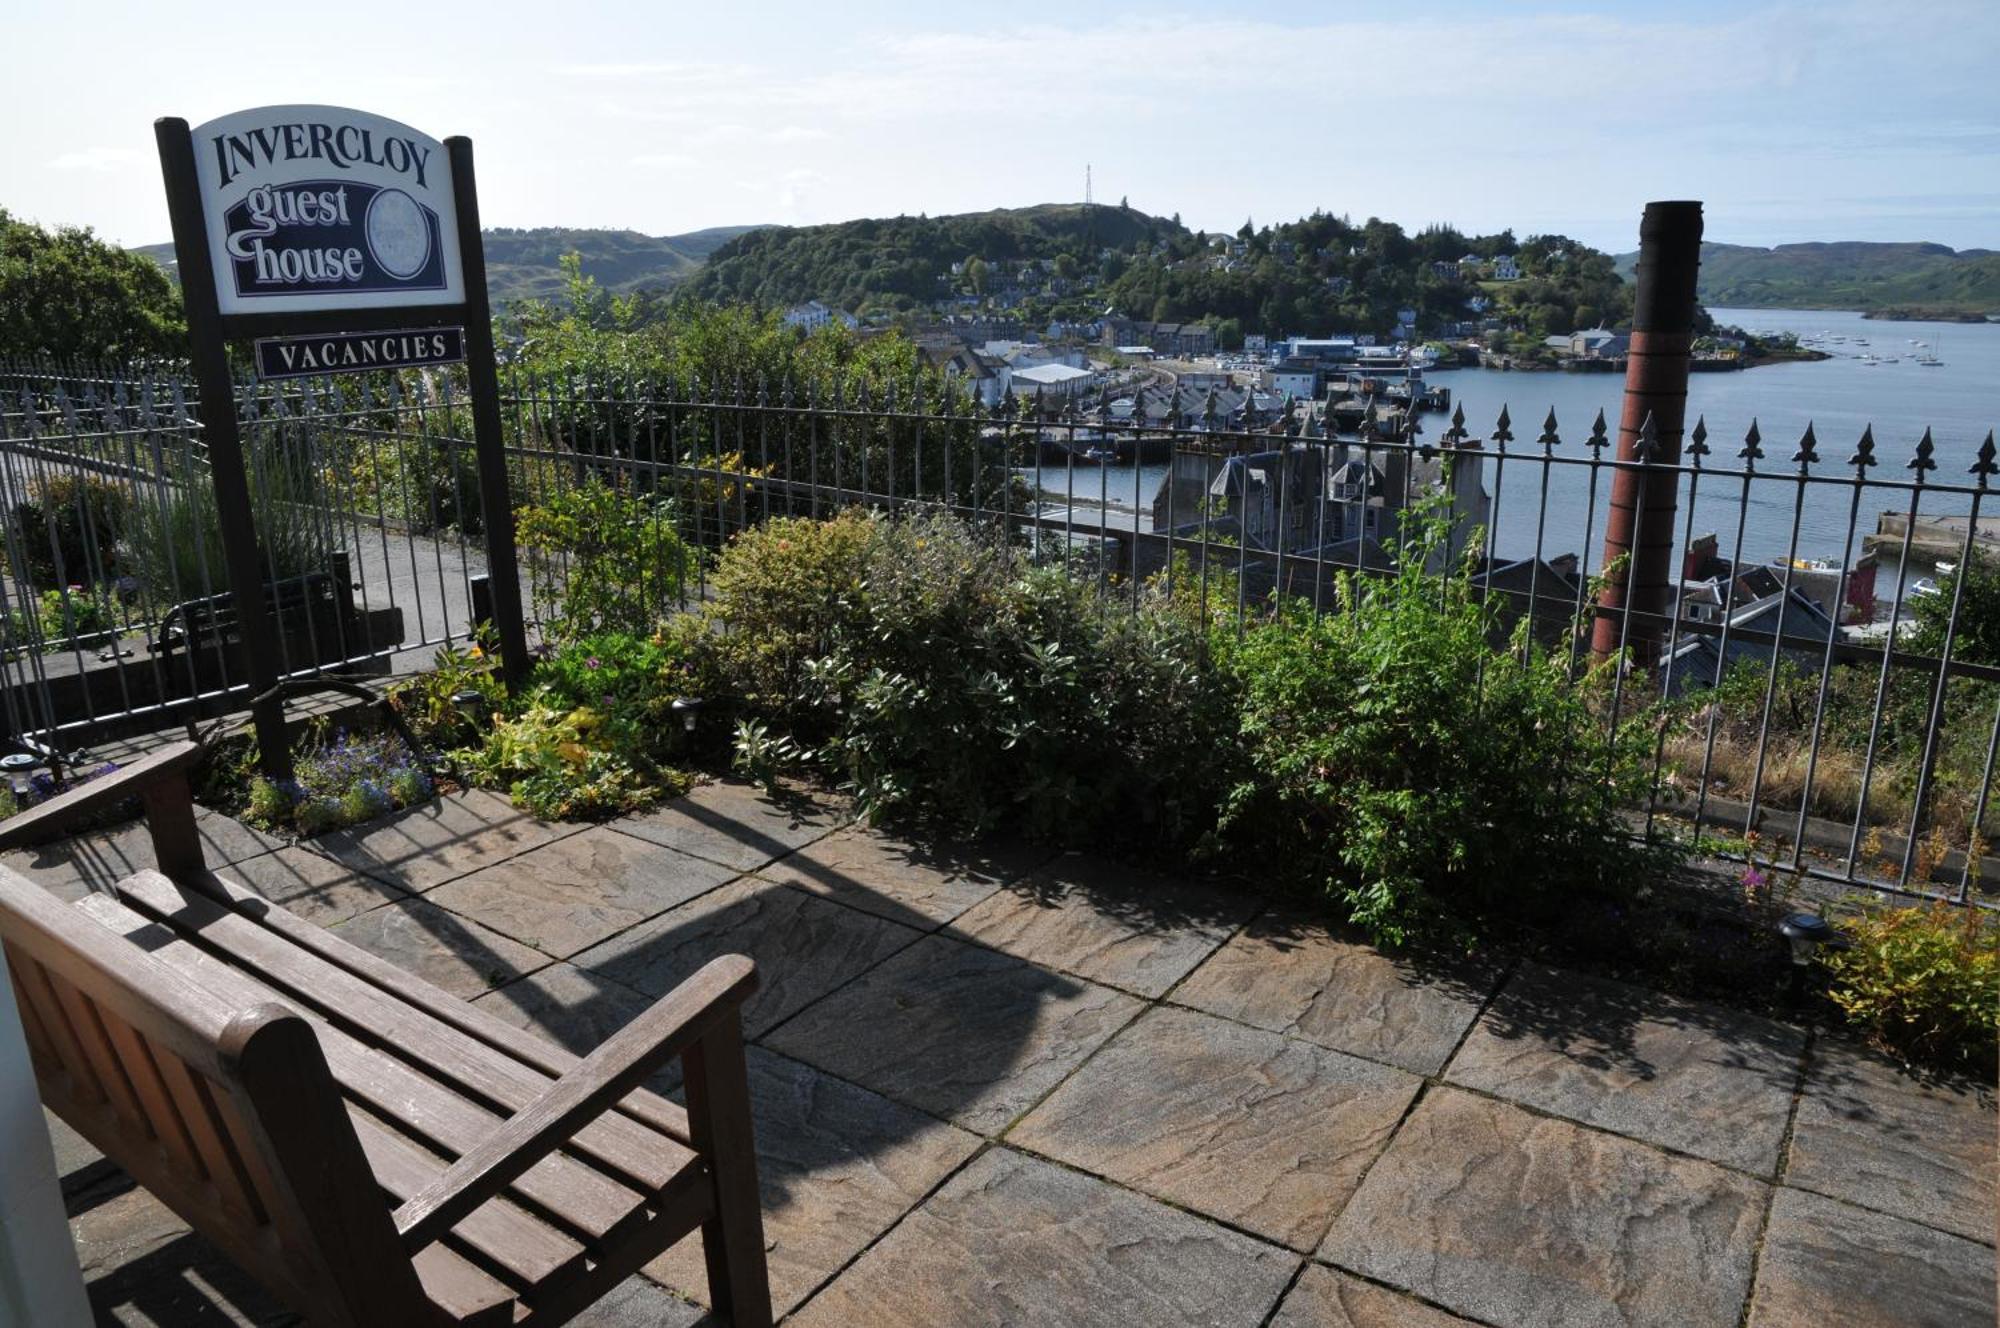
1791	122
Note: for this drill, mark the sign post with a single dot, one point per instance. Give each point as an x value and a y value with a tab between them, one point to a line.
344	242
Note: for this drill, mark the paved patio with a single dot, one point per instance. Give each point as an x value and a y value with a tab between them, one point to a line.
1005	1087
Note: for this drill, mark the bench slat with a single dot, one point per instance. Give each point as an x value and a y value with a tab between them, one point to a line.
526	1249
638	1151
88	1030
41	998
587	1200
234	1177
467	1294
480	1026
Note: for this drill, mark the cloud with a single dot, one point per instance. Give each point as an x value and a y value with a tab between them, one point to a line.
665	161
98	160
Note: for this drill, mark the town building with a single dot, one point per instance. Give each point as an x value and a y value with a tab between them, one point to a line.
814	314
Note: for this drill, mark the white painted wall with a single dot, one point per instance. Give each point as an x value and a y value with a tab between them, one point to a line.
40	1286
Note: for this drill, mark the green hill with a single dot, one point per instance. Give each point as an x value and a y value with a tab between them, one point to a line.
1848	274
902	262
525	264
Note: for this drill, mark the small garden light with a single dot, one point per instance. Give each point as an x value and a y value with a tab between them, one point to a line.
689	709
470	702
1805	933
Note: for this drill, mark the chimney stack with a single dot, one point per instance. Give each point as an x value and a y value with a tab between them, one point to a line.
1640	521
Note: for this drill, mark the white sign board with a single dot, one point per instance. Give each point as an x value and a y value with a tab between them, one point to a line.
315	207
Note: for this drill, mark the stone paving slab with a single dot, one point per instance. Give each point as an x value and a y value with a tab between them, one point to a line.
1827	1264
733	823
1870	1133
1324	1298
837	1165
1521	1220
1023	1243
1112	924
455	953
433	842
316	888
1709	1081
638	1303
1290	975
804	946
1268	1133
922	887
572	893
575	1009
143	1267
957	1030
94	861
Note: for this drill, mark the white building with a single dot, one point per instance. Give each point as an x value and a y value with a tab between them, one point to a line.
813	315
1053	380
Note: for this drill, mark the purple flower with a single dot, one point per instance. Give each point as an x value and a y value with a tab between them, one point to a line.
1754	879
593	663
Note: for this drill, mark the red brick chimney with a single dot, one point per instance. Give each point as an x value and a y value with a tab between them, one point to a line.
1640	521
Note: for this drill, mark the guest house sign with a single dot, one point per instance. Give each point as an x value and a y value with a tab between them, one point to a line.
338	242
315	207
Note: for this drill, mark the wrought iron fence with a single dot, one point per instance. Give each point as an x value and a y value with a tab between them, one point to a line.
1792	700
1799	717
114	607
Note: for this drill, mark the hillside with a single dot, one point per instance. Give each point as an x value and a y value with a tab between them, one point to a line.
902	262
525	264
1848	274
1069	261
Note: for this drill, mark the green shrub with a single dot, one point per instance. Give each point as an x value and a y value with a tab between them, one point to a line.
1419	777
593	732
61	619
608	560
781	593
1923	982
926	666
70	529
429	704
426	482
174	544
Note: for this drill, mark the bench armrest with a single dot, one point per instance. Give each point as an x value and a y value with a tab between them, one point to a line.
40	822
674	1024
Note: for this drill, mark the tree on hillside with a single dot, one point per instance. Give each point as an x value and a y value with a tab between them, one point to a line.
66	293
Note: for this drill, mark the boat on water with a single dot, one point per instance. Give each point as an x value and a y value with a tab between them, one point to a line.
1929	357
1924	587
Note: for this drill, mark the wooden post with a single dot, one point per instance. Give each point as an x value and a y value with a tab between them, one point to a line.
241	558
732	1241
495	503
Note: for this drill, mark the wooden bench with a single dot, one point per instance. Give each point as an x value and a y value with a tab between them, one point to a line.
376	1152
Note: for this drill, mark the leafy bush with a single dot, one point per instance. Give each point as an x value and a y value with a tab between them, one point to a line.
1923	982
1418	776
926	666
593	732
429	483
781	593
60	619
606	559
70	528
348	779
429	702
175	543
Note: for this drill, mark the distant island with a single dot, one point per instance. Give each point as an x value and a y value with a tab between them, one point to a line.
1909	281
